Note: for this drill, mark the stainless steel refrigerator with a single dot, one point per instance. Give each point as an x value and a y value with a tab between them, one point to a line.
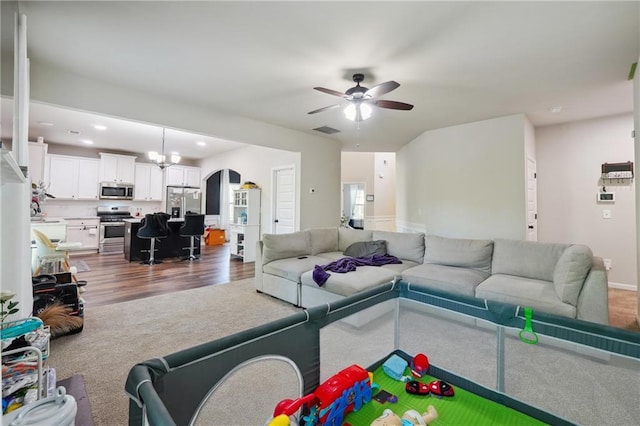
182	199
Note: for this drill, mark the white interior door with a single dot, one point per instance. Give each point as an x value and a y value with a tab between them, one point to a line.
284	200
532	205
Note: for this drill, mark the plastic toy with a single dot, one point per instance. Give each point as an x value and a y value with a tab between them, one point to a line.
416	388
331	401
410	417
527	335
440	388
419	365
394	367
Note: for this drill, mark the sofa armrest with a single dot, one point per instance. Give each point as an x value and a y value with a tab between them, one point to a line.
593	301
258	266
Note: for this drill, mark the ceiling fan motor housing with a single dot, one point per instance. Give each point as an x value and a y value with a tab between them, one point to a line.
358	91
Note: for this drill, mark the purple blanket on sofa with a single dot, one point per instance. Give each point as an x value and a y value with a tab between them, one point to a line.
348	264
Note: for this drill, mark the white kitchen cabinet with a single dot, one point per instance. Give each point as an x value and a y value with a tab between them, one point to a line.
85	231
72	178
117	168
37	155
245	227
148	182
183	176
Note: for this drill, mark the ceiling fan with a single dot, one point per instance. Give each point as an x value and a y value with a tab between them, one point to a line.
360	99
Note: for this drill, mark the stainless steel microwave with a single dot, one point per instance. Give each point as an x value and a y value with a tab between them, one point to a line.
116	191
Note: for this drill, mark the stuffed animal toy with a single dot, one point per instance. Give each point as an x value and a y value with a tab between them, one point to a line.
409	418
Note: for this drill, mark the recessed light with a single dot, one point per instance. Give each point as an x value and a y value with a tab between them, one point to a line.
45	123
201	143
556	109
86	141
99	126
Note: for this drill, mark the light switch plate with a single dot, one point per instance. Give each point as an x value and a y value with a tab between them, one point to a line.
606	214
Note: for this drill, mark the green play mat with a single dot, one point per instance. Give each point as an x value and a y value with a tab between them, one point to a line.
464	408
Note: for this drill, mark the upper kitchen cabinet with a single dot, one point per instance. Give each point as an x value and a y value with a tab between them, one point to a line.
37	155
183	176
148	183
72	178
117	168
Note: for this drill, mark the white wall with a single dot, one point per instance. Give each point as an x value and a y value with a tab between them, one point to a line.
569	170
320	156
465	181
255	164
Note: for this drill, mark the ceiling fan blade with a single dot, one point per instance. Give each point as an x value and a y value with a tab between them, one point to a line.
330	92
324	109
381	89
393	105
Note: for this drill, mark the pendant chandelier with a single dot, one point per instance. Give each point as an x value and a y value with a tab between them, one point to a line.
161	159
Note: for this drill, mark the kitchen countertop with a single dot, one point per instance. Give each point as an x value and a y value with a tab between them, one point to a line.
48	221
138	219
82	218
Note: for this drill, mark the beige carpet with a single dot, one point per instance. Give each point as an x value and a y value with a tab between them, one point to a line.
558	377
116	337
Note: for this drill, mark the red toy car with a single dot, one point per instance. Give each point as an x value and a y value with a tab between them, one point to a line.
440	388
416	388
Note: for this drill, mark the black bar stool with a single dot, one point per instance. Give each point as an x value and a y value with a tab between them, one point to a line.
153	226
193	227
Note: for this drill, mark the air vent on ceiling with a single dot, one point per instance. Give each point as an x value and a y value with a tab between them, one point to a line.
327	130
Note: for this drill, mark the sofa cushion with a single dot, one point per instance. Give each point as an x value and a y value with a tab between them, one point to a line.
292	268
399	267
282	246
366	248
348	236
537	294
571	271
323	240
463	253
529	259
330	256
363	278
403	245
445	278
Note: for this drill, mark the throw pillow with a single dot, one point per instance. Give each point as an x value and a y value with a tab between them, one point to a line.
366	248
571	271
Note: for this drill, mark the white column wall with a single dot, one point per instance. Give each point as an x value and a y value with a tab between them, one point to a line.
465	181
570	157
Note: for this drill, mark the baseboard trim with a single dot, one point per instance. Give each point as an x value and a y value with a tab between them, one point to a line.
620	286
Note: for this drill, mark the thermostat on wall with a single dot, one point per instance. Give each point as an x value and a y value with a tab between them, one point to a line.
606	197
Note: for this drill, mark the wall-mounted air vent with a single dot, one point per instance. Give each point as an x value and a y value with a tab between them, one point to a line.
327	130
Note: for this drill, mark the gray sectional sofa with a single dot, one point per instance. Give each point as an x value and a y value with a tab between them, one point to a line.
562	279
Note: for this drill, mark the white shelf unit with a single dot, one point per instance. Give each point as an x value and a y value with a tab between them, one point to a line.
245	227
25	367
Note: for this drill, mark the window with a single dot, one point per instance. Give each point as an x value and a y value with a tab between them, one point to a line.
358	207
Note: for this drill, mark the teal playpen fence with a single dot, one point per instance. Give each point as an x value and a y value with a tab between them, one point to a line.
577	372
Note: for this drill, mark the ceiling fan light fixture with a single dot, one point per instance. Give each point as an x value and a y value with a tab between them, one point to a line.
358	111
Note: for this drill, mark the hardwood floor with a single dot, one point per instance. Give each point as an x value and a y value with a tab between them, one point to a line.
112	279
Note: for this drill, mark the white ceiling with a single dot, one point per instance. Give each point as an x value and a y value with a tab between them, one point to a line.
457	62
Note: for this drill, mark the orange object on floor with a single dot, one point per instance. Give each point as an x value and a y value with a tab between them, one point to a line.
214	237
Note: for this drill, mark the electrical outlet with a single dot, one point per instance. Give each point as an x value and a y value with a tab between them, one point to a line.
607	264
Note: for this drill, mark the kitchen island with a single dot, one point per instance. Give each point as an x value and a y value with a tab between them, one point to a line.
169	247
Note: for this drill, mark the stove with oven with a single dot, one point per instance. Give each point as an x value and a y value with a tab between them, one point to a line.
112	228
